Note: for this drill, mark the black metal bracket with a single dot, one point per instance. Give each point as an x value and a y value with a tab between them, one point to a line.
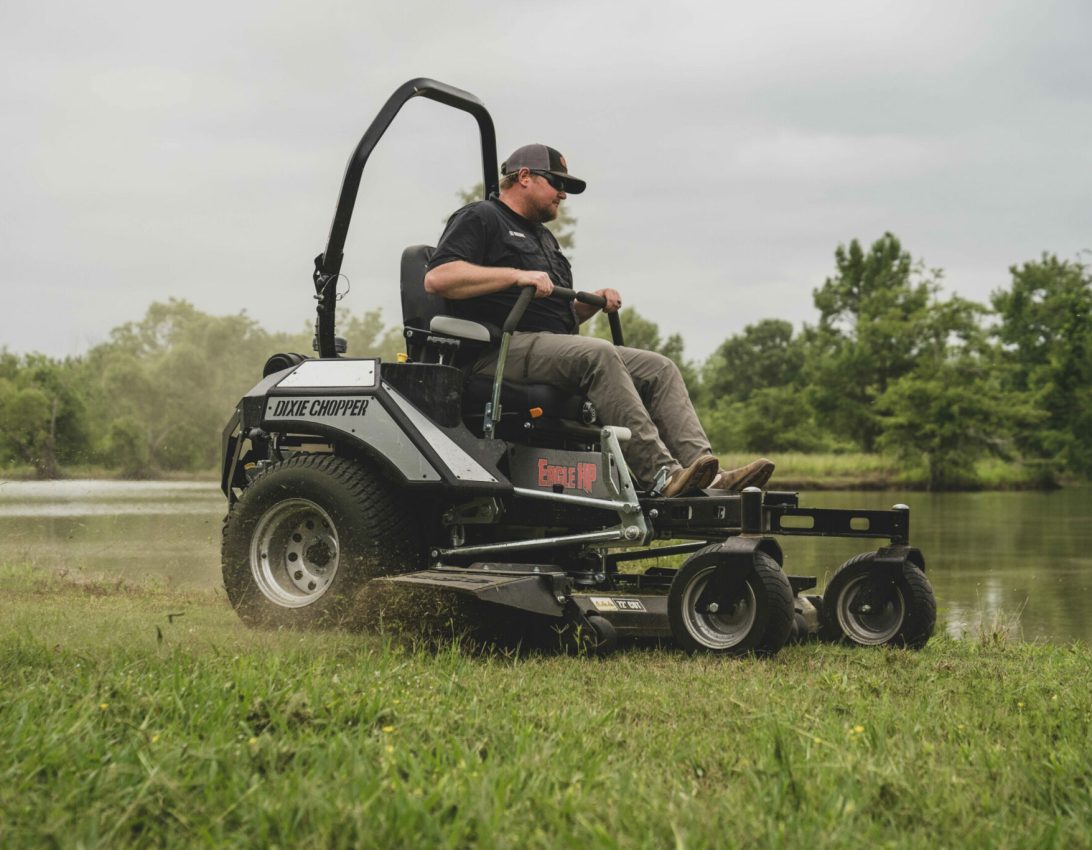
832	522
734	559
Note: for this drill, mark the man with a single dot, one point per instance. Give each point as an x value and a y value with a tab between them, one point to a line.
490	249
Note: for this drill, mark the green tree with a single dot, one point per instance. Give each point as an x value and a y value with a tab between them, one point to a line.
43	420
163	387
125	448
765	355
368	336
772	419
872	314
951	408
25	414
174	377
752	392
1045	331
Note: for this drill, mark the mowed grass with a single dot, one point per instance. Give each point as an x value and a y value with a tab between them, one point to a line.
125	724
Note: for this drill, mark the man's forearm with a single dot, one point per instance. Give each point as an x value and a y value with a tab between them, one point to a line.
584	311
460	279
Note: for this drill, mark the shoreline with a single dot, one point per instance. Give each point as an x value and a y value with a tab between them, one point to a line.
812	480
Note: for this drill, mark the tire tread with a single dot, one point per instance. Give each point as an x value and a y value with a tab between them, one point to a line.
921	604
380	514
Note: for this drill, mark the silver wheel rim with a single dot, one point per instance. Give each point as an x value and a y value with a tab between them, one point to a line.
294	553
871	610
724	628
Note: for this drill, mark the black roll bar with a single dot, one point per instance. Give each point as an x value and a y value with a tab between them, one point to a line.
328	263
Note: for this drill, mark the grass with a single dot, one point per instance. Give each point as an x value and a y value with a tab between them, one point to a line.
799	470
145	717
861	471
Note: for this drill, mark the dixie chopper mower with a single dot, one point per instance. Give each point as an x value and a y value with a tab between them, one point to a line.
340	471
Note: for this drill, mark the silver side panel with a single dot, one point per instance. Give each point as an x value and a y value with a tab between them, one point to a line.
359	374
462	465
363	418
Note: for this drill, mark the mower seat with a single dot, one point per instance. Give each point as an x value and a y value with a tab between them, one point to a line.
427	323
523	399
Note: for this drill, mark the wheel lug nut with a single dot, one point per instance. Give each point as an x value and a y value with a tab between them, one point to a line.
713	608
310	585
297	575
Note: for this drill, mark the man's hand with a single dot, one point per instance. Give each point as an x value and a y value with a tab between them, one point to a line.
614	300
586	311
544	287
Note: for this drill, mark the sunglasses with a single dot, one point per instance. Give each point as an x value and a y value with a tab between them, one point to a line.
556	182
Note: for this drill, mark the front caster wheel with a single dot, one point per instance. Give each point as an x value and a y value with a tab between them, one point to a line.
754	613
595	635
870	604
604	638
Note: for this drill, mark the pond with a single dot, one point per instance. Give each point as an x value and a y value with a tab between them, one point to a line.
994	558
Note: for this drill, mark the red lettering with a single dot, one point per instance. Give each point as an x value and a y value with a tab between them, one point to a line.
586	475
566	477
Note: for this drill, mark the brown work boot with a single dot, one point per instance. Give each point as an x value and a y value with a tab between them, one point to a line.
754	474
697	476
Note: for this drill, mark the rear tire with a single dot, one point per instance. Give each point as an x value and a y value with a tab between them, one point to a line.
870	604
306	537
759	618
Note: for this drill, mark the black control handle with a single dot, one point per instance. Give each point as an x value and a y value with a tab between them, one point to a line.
595	301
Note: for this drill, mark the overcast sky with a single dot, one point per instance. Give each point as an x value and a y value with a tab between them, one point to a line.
196	149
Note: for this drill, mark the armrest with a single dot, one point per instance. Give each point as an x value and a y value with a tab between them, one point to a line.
460	328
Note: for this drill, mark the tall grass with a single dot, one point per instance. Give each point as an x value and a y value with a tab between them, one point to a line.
137	717
863	471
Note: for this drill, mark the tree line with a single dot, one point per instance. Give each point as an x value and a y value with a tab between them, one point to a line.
889	365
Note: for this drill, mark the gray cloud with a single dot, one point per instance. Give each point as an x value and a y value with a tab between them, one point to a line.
196	152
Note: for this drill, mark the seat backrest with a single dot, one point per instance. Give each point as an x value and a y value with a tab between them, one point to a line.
418	306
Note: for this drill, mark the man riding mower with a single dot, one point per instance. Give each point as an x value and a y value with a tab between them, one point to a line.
440	472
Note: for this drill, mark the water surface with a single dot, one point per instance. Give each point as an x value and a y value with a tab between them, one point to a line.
992	557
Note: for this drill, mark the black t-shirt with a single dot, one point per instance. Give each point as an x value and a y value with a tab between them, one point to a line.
489	233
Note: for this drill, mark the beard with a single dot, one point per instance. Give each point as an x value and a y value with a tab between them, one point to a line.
547	212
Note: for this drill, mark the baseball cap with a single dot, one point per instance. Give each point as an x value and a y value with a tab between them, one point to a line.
543	158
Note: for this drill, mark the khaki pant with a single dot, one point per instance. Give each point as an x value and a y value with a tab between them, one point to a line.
640	390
